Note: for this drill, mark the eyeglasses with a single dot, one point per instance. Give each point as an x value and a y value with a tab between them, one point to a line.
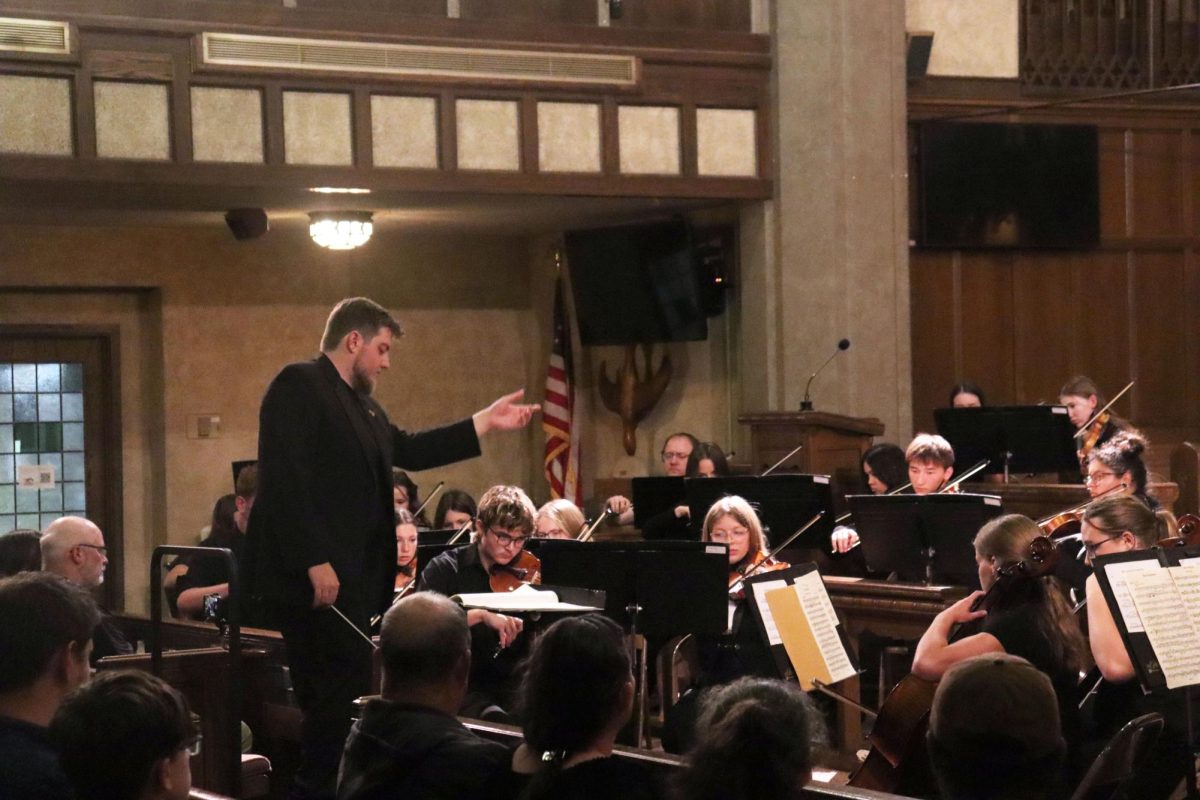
724	536
99	548
1092	547
674	455
1096	477
505	540
550	534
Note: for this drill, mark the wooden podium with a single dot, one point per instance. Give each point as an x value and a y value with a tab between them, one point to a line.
833	445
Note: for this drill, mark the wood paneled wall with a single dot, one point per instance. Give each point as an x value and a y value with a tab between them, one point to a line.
1021	322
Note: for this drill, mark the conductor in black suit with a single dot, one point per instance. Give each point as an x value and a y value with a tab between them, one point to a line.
320	532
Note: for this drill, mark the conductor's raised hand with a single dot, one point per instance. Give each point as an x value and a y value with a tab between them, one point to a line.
505	414
325	585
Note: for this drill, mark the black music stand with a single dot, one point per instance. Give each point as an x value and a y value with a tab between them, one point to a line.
441	536
923	538
1012	438
783	502
655	495
428	552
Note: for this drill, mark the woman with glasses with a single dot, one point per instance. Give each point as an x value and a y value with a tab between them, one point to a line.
559	519
1116	467
1119	524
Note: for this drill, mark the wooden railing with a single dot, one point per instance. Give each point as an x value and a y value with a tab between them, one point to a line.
1109	44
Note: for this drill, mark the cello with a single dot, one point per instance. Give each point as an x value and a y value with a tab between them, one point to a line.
897	759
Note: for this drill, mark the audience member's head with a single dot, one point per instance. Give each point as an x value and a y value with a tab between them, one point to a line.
967	395
1117	461
577	692
224	527
455	509
20	551
994	730
707	461
732	520
126	736
73	547
46	626
675	453
245	489
754	740
558	519
930	462
885	468
426	648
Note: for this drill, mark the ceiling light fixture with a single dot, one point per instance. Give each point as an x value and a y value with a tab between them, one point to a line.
340	230
339	190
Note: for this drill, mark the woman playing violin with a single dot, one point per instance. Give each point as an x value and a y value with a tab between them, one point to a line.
406	549
1023	614
1120	524
1082	398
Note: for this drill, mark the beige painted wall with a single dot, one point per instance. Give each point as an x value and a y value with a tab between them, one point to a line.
971	38
233	313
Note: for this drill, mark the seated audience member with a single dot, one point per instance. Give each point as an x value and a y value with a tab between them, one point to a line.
222	528
994	732
558	519
1118	524
884	470
503	525
20	551
406	549
455	509
210	576
576	696
73	548
1027	616
408	743
676	451
404	495
755	742
46	626
966	395
126	736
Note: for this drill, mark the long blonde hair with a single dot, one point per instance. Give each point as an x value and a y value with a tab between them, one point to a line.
743	512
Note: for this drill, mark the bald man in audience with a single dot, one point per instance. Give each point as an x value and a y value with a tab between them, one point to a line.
73	548
46	626
409	743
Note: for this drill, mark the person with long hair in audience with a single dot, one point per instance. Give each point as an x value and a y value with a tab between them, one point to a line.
1119	524
20	551
576	696
755	742
1025	615
455	509
558	519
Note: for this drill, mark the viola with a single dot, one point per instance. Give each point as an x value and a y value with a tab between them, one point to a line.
897	760
1091	436
525	568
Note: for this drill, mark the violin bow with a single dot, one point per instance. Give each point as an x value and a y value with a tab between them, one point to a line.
849	514
733	587
586	536
454	539
779	463
1083	429
432	495
968	474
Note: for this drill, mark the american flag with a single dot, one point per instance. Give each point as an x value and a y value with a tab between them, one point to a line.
558	412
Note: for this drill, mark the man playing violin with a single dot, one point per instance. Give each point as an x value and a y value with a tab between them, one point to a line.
503	525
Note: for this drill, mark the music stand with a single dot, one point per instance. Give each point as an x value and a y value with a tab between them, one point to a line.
428	552
1013	438
923	538
653	496
441	536
783	503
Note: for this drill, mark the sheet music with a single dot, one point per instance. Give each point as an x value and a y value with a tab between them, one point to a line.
1187	581
760	589
819	613
1171	634
1118	573
1189	562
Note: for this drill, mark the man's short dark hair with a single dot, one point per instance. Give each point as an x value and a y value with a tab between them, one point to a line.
422	639
246	484
111	732
357	314
20	551
40	612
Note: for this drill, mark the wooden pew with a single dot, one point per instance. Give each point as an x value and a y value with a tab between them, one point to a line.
1185	473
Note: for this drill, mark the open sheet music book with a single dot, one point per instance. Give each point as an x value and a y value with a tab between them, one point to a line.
1154	596
800	624
523	598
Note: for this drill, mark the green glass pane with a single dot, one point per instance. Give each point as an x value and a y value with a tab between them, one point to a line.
72	377
7	522
72	467
51	499
50	436
27	500
8	473
72	407
74	497
8	501
6	439
30	521
25	437
72	436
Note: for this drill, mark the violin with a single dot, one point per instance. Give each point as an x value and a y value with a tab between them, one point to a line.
1091	435
897	761
759	562
525	568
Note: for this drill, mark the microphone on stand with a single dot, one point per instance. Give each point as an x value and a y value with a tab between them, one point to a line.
806	403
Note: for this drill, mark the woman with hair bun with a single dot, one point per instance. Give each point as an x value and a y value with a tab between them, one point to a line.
1116	463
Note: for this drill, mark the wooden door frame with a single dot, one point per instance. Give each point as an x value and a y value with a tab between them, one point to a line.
112	517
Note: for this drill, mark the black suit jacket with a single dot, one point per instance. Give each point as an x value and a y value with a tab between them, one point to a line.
325	457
